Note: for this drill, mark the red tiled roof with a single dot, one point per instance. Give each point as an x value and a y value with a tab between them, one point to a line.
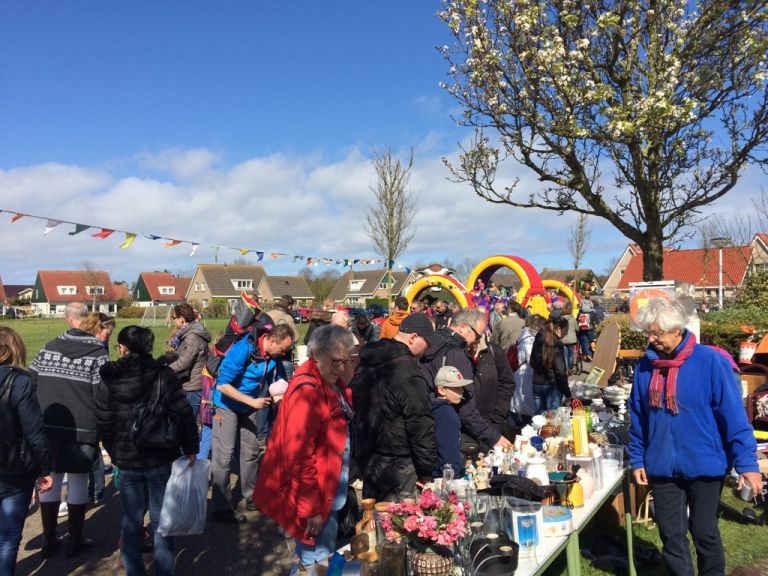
699	267
120	291
3	298
52	279
153	281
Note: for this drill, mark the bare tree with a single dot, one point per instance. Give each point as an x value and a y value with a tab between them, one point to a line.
320	284
578	242
390	217
669	97
91	278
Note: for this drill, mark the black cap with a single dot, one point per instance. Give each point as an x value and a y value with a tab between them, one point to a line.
419	323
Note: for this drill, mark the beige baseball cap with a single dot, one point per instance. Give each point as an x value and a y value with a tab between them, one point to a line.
450	377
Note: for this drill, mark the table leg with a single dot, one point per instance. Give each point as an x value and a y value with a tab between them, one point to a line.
625	485
573	554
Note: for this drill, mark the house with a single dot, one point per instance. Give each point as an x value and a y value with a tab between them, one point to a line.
18	293
586	277
355	286
54	289
273	287
3	297
223	281
700	267
155	288
611	284
120	291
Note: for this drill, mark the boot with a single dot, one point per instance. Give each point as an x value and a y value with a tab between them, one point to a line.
49	512
77	543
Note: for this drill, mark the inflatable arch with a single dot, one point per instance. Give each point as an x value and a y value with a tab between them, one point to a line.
531	294
566	291
455	288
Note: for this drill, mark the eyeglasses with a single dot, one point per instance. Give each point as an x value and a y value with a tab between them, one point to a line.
105	319
475	332
338	362
655	333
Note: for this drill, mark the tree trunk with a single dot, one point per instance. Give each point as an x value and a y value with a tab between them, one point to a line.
653	259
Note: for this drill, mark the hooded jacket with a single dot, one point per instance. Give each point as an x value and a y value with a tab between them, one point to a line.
393	414
125	383
708	435
494	383
391	325
450	350
66	374
192	354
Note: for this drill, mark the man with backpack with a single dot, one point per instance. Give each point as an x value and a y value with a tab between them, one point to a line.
243	409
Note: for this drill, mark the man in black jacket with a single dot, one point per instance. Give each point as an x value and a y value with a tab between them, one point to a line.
393	424
467	327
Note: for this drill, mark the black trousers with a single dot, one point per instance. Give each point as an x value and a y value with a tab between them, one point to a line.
689	505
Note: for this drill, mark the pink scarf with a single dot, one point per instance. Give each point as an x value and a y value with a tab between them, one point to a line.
671	365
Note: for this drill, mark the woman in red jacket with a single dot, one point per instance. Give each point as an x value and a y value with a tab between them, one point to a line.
303	478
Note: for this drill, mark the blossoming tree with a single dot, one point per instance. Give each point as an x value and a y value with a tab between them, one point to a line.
636	111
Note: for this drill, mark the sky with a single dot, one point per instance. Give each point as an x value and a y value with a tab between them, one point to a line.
243	124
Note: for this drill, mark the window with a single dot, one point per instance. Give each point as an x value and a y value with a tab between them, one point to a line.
167	289
383	285
202	286
65	290
94	290
243	284
60	308
205	303
356	285
197	287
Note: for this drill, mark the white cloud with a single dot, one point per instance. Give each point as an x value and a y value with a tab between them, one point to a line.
304	205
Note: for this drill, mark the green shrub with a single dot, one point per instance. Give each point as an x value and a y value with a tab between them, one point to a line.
630	339
217	308
131	312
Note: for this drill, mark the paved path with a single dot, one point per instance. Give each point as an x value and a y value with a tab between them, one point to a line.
255	548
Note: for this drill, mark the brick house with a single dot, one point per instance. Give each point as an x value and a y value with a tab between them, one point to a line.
223	281
54	289
160	288
355	286
272	287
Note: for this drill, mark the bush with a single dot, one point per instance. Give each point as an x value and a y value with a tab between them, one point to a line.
630	339
376	302
131	312
217	308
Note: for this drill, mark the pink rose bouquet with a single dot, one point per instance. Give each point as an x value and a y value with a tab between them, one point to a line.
430	523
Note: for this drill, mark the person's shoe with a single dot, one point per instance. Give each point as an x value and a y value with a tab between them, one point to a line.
49	512
250	506
228	517
77	542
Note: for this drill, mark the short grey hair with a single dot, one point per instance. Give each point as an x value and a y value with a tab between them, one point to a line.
328	337
76	311
469	316
669	315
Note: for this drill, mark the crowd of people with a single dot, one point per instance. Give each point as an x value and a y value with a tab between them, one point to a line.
391	403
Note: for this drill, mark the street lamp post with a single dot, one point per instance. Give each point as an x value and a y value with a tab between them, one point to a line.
720	243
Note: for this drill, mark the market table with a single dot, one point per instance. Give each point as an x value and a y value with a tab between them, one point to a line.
554	546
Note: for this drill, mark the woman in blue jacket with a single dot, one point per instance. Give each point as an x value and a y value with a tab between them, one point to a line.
689	427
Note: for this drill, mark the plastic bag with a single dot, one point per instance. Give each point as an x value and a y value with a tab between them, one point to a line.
186	499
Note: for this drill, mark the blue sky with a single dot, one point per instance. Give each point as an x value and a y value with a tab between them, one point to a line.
246	124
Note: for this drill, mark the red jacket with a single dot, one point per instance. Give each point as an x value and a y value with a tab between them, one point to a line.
299	474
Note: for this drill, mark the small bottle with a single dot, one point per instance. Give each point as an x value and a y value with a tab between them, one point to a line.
447	476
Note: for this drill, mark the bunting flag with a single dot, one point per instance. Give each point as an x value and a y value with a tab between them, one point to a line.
244	251
103	234
17	217
391	263
129	238
309	261
79	228
274	255
50	226
259	256
297	258
194	248
152	236
172	243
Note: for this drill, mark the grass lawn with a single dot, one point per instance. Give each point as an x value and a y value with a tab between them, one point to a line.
745	545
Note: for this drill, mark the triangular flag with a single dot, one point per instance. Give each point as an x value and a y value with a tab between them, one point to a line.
152	236
79	228
50	226
172	243
194	248
295	258
309	261
259	256
391	264
129	238
274	255
244	251
17	217
408	270
103	234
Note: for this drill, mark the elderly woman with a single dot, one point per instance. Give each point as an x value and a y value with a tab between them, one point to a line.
689	427
304	475
25	453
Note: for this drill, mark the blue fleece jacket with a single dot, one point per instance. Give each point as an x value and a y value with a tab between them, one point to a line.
448	436
250	374
708	435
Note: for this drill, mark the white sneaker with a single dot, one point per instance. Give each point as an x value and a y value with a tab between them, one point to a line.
63	511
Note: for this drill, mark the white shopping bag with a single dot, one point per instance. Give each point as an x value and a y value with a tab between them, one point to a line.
186	499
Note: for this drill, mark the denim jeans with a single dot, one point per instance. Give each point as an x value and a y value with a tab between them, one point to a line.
569	349
206	435
96	478
13	512
136	487
585	342
194	397
683	505
325	545
546	397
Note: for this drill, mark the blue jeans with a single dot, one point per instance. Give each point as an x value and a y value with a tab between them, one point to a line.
569	349
546	397
194	397
136	487
325	545
13	512
585	342
206	434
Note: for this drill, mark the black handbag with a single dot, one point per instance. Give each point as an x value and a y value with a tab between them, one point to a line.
152	426
15	454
